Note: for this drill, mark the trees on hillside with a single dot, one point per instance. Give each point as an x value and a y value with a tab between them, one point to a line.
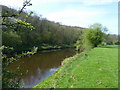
112	39
45	32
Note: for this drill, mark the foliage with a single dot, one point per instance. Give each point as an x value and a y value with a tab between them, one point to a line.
79	44
90	69
92	37
10	25
102	44
34	30
9	78
13	38
116	43
111	39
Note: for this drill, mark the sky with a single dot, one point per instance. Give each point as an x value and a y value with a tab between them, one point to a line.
82	13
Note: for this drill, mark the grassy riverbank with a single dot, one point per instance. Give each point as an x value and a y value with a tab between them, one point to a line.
96	68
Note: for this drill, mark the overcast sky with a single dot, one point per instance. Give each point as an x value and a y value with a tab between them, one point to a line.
74	12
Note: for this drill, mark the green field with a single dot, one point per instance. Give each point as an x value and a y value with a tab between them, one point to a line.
96	68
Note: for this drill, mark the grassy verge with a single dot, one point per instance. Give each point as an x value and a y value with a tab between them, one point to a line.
96	68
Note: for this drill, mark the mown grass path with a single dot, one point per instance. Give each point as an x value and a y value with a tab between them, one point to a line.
96	68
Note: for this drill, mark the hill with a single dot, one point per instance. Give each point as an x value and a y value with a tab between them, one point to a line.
46	34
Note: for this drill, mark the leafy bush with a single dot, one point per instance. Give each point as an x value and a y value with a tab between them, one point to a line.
116	42
11	39
8	77
91	37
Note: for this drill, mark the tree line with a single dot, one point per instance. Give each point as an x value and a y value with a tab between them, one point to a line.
47	34
44	34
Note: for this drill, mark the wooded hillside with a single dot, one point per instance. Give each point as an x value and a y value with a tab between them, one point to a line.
44	34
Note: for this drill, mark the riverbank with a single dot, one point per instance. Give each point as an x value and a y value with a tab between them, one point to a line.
45	47
96	68
40	48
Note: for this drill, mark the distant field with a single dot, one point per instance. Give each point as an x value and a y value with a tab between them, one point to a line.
96	68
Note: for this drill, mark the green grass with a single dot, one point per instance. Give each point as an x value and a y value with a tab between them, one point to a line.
96	68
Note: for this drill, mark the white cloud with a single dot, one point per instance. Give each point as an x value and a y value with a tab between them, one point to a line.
73	13
12	3
86	1
97	2
84	19
75	17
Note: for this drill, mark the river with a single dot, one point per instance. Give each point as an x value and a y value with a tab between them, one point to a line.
39	66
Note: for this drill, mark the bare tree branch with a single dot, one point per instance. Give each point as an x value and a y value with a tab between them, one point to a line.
26	3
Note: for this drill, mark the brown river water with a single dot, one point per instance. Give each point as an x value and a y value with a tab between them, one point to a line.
39	66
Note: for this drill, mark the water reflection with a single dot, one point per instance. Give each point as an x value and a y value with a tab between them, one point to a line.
39	66
36	78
